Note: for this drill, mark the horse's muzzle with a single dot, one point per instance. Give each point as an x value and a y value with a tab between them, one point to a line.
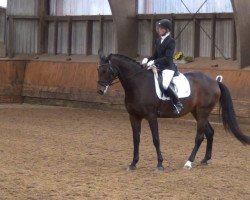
102	89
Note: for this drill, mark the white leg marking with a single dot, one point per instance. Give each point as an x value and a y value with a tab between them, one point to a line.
188	165
106	89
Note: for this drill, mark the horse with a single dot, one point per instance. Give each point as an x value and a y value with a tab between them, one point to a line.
141	102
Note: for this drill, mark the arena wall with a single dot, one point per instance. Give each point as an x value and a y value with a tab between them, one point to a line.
76	81
11	81
69	81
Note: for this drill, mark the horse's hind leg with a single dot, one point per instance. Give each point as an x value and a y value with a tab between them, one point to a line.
136	128
209	132
201	118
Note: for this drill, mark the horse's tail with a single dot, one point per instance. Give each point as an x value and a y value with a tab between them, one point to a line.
228	115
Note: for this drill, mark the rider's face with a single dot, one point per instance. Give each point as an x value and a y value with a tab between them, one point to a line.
162	31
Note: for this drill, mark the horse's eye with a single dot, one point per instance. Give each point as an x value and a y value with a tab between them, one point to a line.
100	70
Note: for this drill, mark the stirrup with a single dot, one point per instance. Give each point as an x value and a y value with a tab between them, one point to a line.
178	108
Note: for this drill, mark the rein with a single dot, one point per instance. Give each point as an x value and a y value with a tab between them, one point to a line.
128	78
132	75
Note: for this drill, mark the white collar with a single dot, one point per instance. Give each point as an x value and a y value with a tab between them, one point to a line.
164	37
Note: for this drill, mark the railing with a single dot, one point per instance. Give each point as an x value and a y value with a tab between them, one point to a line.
48	23
89	32
207	35
202	28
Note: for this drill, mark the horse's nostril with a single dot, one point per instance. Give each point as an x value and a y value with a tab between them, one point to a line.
100	92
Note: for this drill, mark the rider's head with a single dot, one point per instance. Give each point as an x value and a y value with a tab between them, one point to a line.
163	26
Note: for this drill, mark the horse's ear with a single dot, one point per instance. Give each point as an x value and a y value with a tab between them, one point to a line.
100	53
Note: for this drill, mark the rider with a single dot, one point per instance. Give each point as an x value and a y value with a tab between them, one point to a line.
163	60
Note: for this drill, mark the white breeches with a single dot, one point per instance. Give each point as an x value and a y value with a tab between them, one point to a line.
167	76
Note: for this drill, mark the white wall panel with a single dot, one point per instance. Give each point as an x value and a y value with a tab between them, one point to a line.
25	37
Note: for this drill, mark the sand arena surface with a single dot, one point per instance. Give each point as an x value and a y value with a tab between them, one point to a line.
51	152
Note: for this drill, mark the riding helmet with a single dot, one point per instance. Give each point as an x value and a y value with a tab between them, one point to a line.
164	23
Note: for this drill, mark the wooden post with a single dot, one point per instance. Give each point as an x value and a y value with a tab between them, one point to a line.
196	38
46	35
125	26
89	37
69	36
242	16
101	32
173	25
40	27
5	35
11	37
43	6
153	33
41	36
234	41
213	33
55	35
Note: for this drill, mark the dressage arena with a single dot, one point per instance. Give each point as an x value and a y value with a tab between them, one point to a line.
49	152
59	139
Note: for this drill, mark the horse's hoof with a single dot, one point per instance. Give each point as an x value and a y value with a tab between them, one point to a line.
188	165
204	162
159	169
131	168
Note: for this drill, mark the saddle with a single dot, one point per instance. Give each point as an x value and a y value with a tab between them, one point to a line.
179	82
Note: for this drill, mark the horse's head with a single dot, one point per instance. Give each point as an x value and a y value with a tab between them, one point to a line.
106	73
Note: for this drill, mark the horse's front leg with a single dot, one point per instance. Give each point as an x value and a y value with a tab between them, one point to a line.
153	123
136	128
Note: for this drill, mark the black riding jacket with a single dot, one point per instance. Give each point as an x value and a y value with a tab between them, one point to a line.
164	52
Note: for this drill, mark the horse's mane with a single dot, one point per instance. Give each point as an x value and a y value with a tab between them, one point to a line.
133	61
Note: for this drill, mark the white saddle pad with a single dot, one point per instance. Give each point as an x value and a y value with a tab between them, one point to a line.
182	87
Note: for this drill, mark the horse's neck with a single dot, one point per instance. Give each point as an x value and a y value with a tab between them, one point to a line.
126	71
127	74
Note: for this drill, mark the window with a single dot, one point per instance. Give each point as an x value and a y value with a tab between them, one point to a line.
79	7
176	6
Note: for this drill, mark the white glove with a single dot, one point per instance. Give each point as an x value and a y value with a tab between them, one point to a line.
150	63
154	69
144	61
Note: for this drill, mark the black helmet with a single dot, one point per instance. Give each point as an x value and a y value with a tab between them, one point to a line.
164	23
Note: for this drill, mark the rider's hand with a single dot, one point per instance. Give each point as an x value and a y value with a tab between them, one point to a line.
150	63
144	61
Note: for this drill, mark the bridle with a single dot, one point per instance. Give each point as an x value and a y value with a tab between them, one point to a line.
111	69
113	75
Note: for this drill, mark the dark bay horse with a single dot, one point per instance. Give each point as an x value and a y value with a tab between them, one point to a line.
142	102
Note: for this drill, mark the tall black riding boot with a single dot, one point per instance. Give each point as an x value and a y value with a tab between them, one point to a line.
176	102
